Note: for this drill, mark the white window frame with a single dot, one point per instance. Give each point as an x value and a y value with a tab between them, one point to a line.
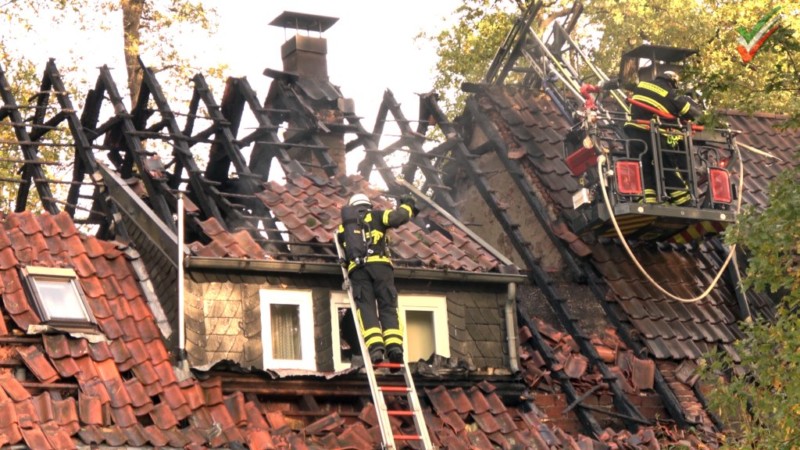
32	274
304	301
437	304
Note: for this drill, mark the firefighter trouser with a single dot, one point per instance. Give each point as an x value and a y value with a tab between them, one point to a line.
379	322
675	185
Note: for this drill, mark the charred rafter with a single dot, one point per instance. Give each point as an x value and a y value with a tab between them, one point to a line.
418	159
203	193
135	151
29	150
224	152
267	144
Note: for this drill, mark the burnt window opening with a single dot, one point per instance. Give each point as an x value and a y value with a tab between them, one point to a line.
57	296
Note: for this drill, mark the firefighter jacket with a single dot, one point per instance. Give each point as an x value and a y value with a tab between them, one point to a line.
377	223
660	95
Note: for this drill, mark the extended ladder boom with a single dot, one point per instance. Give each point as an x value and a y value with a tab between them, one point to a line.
379	392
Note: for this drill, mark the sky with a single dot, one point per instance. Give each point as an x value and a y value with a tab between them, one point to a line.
371	48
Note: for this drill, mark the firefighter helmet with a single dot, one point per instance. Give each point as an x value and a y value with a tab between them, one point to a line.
359	199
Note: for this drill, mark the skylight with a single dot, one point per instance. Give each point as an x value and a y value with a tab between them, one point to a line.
57	295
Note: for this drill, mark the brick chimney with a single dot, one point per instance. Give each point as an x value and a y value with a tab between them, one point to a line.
306	56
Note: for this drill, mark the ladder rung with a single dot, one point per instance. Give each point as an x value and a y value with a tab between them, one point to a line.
407	437
400	413
388	365
398	389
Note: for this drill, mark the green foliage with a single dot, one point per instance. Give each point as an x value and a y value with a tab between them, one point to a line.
466	50
762	392
150	29
772	237
609	28
760	401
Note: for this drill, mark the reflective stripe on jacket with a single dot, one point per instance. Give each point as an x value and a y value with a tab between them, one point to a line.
379	222
660	95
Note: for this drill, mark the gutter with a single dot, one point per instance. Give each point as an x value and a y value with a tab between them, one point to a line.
315	268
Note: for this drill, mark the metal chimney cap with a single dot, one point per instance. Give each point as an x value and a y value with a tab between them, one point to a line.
303	21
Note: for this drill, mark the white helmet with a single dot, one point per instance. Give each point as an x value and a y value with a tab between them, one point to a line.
671	76
359	199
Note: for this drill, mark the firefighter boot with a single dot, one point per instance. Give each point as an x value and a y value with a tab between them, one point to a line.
376	354
649	197
680	198
395	354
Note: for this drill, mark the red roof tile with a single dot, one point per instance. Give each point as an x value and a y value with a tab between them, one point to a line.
13	388
8	414
43	405
35	438
156	436
163	417
100	351
311	215
90	409
26	414
58	437
94	387
177	438
38	364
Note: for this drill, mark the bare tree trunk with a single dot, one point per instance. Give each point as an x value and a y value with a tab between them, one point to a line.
131	18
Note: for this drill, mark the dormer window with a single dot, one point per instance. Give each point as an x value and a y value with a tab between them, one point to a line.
57	296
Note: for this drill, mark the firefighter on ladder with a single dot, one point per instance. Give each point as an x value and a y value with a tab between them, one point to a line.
660	95
372	279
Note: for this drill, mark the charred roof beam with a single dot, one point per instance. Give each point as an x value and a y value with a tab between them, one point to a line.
199	188
508	53
418	158
109	229
373	156
135	150
101	211
269	145
29	151
224	151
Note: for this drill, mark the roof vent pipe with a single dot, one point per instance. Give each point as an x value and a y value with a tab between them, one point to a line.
511	328
181	301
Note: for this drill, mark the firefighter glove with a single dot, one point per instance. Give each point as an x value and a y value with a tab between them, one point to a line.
409	200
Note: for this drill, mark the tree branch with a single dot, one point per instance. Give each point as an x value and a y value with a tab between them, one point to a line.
551	17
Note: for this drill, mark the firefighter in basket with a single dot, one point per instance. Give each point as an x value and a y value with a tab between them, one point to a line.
660	98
